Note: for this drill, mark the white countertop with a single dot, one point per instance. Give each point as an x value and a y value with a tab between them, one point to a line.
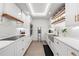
5	43
74	43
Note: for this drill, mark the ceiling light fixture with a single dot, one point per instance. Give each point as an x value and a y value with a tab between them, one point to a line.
39	14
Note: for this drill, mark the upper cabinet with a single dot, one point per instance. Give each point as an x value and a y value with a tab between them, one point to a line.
72	12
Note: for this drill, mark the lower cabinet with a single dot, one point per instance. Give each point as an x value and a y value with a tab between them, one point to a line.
8	50
22	45
61	49
17	48
72	52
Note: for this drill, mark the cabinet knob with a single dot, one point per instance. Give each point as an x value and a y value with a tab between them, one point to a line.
22	40
57	54
49	41
22	49
73	54
57	42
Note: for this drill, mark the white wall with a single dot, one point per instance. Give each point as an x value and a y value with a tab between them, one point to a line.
43	23
7	27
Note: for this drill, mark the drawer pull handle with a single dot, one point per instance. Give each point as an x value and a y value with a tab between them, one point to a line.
22	49
73	54
22	40
57	54
57	42
49	42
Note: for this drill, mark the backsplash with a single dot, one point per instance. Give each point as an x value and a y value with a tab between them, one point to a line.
73	32
6	31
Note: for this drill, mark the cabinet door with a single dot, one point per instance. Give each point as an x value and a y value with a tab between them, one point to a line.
8	50
61	48
72	52
53	48
28	41
18	49
21	45
47	41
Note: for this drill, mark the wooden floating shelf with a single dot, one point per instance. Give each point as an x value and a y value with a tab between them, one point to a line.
59	16
59	12
58	21
11	17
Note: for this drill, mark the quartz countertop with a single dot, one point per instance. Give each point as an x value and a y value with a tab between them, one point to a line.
72	42
5	42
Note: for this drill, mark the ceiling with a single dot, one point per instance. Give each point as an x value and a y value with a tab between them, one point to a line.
40	10
38	7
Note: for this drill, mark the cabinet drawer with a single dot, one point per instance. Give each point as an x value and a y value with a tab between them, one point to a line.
56	41
60	48
8	50
72	52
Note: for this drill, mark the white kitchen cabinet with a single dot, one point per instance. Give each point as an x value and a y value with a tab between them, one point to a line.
72	52
47	41
22	45
71	10
51	45
27	42
17	48
8	50
61	49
